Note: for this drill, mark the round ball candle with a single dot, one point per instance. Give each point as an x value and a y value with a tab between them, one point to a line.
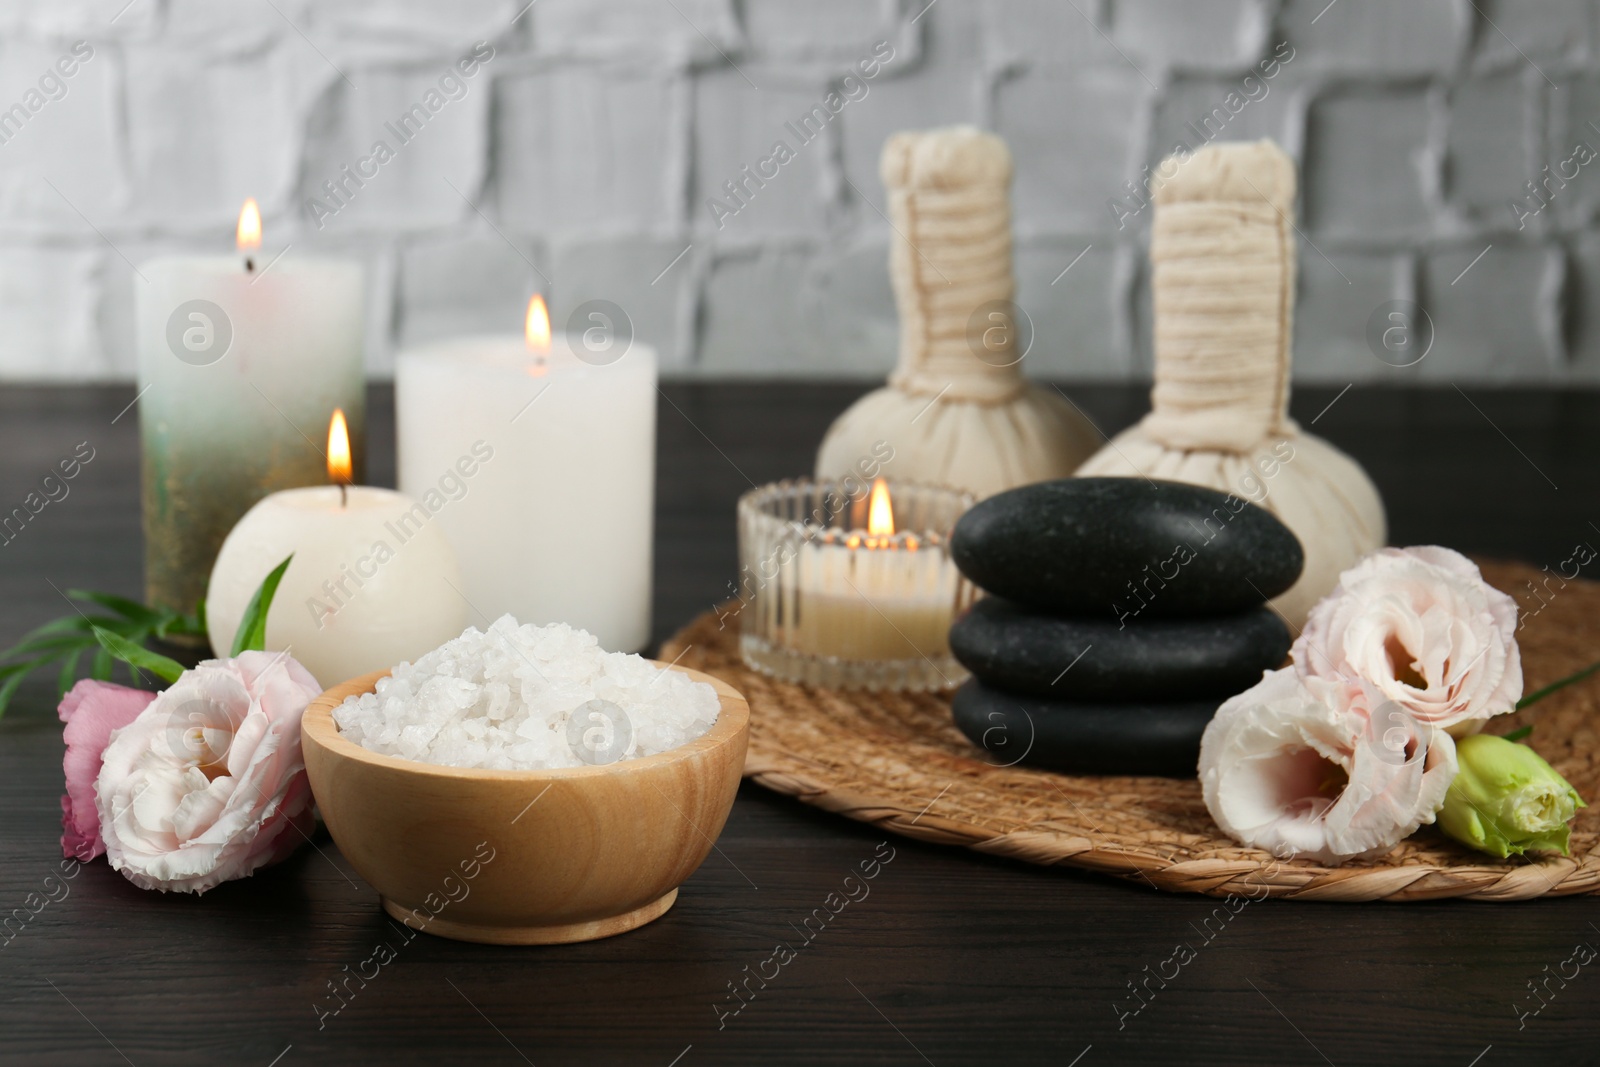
373	582
557	526
240	361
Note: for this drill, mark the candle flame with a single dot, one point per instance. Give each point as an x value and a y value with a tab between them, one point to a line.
249	232
339	468
537	327
880	513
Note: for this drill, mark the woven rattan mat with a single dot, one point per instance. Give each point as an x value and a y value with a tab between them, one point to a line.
897	761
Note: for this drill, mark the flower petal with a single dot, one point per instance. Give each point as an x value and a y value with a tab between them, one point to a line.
201	786
92	711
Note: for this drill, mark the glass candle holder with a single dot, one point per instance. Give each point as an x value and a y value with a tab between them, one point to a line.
834	592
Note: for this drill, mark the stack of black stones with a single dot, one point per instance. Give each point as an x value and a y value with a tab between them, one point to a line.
1121	613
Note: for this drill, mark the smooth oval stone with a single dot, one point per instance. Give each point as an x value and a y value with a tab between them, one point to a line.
1083	738
1126	548
1023	651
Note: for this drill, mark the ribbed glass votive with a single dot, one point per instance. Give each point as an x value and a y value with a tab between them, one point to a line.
827	601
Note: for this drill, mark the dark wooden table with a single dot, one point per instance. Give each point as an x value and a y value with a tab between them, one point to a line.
953	959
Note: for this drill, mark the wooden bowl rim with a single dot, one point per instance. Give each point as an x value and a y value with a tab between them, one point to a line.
733	721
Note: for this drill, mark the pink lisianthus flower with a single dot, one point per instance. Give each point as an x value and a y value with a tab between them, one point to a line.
1422	627
208	783
92	711
1306	770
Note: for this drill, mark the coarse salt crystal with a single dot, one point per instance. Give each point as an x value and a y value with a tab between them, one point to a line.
525	697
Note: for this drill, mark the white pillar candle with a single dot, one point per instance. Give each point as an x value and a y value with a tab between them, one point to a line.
558	527
239	367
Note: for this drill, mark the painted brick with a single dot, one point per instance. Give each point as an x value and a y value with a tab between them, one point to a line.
1363	165
1494	323
1074	145
585	152
634	274
1195	111
832	29
762	319
48	321
1046	34
414	187
393	28
1335	299
1574	120
856	319
201	140
612	122
66	20
1379	36
226	29
1487	151
682	31
1518	32
69	142
1214	34
1583	303
737	126
1077	327
452	285
935	79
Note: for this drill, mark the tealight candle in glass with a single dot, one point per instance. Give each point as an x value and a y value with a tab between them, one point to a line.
844	588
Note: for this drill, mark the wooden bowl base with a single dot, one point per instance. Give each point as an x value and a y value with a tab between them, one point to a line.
560	934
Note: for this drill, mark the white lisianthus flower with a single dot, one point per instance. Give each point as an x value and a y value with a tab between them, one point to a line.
1423	628
208	783
1321	770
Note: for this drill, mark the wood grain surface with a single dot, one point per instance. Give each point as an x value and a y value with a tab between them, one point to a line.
944	956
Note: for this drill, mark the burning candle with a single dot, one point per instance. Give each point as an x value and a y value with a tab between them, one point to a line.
823	600
558	528
240	362
374	580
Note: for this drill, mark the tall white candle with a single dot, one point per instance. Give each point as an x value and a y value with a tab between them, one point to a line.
239	365
558	527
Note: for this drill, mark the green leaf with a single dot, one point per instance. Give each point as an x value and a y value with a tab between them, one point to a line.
136	655
9	689
58	645
128	609
1519	733
73	624
69	673
100	667
186	625
1534	698
66	639
252	632
69	624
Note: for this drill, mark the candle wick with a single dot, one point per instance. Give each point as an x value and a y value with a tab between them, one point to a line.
249	265
344	496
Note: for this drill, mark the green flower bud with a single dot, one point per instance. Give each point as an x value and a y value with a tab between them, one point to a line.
1506	799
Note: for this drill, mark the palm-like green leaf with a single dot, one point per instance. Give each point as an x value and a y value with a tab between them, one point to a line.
137	656
128	627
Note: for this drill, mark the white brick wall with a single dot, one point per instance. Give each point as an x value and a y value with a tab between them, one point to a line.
580	159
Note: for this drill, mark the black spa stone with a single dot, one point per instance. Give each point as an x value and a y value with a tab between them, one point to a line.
1160	739
1126	548
1024	651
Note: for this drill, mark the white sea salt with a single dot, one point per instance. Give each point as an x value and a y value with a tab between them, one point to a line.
527	697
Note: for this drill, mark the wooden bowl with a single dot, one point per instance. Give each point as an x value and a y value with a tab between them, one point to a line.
525	857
